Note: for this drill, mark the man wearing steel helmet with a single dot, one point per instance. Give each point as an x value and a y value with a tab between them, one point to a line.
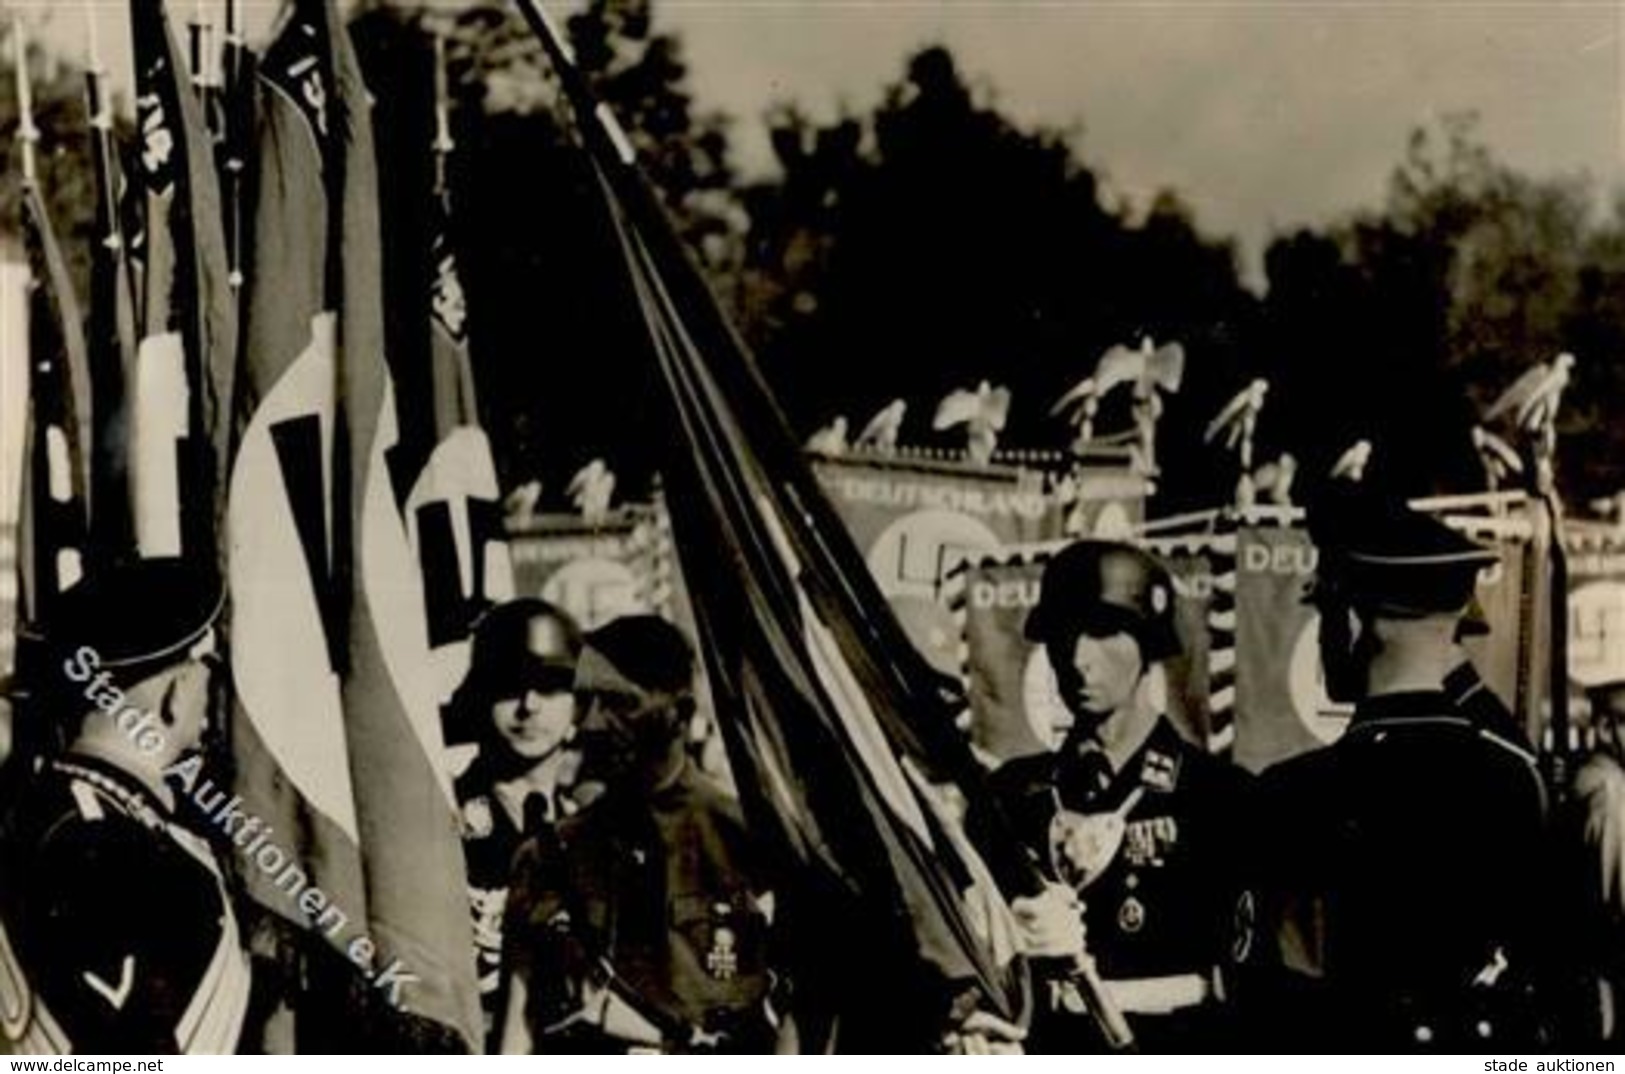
518	704
119	934
1399	867
1127	812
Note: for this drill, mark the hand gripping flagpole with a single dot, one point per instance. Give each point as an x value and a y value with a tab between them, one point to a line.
1014	865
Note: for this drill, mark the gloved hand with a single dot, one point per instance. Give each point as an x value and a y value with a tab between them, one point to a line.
984	1034
1050	923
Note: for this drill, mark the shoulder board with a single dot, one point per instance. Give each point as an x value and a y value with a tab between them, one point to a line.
95	797
86	799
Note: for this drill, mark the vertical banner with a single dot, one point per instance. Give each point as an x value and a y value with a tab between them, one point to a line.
1015	709
14	288
1500	596
1596	605
914	520
1281	703
1206	658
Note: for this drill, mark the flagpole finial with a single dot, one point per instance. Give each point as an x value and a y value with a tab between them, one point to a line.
93	38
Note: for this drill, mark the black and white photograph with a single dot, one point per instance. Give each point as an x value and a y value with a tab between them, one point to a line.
810	527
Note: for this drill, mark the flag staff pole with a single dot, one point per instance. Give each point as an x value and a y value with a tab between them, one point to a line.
1556	573
101	124
443	143
234	62
27	133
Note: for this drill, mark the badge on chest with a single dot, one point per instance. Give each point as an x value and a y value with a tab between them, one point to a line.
1147	841
722	960
478	821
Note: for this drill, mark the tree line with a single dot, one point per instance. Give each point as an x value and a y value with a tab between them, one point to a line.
931	241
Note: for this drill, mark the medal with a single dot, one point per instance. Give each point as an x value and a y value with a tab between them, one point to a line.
722	961
477	820
1131	915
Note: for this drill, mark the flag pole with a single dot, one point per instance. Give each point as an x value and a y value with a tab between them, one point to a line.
1557	597
443	143
233	136
27	133
101	125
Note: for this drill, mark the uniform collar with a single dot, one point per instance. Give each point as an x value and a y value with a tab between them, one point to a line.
1463	679
1154	764
1407	705
130	792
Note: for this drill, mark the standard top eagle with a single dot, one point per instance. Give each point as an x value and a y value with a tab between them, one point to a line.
1534	397
883	429
1145	366
983	412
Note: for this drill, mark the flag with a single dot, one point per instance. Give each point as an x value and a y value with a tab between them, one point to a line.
1281	704
1596	605
835	726
454	510
53	518
181	398
336	735
918	519
111	346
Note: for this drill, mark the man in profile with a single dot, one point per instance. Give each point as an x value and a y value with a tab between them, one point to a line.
121	934
1398	868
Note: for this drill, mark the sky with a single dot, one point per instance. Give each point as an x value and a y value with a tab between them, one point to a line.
1263	115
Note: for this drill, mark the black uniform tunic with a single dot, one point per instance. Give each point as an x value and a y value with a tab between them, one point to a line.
120	933
659	893
1166	906
490	840
1399	873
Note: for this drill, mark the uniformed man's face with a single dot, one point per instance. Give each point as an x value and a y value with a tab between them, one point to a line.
1097	676
535	724
182	697
626	734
